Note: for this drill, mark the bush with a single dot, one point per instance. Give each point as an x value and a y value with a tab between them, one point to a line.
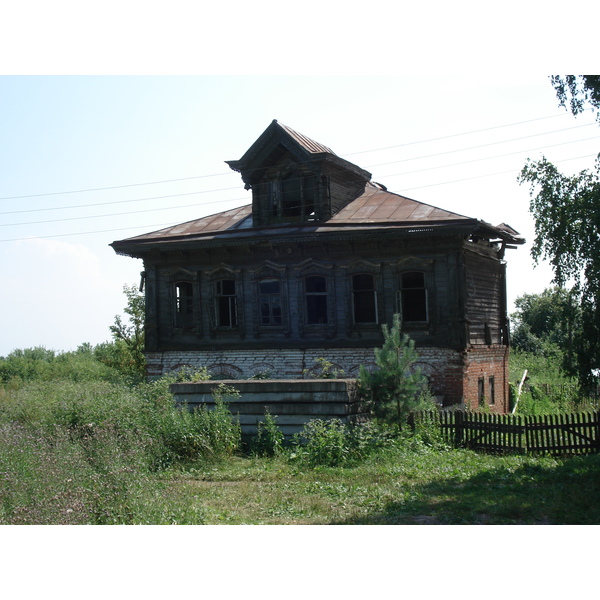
332	443
269	438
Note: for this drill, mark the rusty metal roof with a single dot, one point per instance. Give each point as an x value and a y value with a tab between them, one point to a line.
376	207
304	141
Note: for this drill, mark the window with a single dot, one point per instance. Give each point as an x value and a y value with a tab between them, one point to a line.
315	288
413	297
270	302
492	389
364	299
226	303
481	391
293	197
184	304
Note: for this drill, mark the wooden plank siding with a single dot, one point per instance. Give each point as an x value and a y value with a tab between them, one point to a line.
484	305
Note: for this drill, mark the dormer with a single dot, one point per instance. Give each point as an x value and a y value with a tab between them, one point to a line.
295	179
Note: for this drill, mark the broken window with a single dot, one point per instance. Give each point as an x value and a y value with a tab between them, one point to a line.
270	302
226	303
413	297
315	288
293	197
481	391
364	298
184	304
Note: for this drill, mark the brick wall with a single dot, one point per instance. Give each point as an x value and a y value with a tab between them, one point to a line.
455	377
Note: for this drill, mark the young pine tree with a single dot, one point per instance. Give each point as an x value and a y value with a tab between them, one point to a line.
395	388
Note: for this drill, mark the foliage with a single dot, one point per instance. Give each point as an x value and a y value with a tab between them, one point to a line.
566	210
40	364
546	324
548	389
269	438
126	352
396	387
332	443
325	369
577	91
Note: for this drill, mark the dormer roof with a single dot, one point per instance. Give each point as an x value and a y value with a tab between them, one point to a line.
277	137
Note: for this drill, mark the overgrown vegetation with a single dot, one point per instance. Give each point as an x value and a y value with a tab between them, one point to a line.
105	451
543	333
86	442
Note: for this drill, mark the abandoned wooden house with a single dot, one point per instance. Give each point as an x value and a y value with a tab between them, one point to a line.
312	268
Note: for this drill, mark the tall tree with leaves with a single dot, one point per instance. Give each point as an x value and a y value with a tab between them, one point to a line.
566	210
126	353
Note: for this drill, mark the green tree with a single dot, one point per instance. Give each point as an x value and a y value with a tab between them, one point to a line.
396	387
546	324
126	353
566	210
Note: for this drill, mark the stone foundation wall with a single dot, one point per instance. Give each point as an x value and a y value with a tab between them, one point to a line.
294	402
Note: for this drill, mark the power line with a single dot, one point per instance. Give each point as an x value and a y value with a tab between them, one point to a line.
466	162
237	187
480	146
13	212
114	187
445	137
163	225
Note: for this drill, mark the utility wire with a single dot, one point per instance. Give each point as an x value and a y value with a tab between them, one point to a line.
371	166
237	187
164	225
114	187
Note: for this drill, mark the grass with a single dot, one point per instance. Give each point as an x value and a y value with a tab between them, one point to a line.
405	488
107	452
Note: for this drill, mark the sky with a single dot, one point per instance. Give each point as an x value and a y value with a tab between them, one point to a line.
86	160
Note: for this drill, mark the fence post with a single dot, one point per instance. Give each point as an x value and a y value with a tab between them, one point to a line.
458	428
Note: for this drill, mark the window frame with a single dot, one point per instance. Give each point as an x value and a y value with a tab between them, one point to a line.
313	295
231	301
270	296
307	190
404	291
374	295
183	305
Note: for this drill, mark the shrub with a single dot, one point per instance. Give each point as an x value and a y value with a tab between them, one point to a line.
269	438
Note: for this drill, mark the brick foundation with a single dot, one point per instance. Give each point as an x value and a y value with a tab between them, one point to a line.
456	378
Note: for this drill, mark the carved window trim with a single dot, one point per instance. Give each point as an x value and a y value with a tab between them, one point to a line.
183	306
275	272
312	268
363	267
215	295
412	300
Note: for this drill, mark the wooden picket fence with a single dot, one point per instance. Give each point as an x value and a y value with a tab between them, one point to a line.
565	434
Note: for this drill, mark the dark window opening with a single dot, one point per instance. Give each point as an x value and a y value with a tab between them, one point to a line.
492	390
226	303
270	302
414	297
294	197
184	304
481	391
316	300
364	299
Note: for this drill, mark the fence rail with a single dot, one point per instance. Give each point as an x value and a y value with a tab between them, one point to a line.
575	433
